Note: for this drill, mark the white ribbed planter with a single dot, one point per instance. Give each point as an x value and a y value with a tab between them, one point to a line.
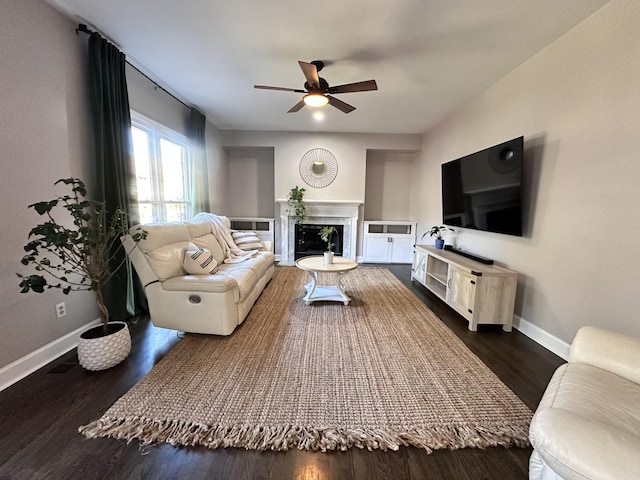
104	352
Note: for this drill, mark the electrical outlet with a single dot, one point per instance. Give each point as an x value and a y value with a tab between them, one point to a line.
61	310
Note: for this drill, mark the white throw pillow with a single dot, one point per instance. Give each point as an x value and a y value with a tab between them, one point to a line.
246	240
199	261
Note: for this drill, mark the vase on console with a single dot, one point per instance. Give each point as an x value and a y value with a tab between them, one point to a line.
438	232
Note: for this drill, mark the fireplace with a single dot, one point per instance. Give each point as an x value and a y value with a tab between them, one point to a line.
339	213
307	240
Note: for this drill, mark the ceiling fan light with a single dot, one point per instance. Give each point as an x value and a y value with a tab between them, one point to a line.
315	100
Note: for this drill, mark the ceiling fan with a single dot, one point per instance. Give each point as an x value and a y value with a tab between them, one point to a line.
317	90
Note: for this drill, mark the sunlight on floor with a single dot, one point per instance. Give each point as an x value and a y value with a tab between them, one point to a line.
310	470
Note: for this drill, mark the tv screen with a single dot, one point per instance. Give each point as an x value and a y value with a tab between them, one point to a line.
483	191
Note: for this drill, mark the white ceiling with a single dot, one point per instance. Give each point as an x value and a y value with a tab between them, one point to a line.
427	56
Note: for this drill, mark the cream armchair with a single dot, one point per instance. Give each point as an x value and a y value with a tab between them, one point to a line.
587	425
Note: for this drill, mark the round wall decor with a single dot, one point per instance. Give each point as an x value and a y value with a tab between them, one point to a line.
318	167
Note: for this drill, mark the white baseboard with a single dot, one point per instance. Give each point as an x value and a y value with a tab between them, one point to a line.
31	362
544	338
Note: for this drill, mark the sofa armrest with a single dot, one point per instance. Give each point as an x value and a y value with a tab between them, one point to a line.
200	283
574	446
268	245
139	260
614	352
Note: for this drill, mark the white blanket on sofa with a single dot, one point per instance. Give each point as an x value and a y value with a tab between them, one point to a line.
232	254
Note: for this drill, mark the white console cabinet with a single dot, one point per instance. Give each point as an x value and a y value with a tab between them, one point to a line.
388	242
483	294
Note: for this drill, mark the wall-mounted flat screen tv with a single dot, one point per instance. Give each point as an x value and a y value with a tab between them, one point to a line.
483	190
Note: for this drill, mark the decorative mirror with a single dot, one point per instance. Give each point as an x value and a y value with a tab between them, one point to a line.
318	167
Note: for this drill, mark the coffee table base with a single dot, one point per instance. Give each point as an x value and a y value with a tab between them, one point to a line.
325	293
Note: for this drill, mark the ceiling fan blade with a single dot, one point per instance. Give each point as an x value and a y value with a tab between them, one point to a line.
340	105
354	87
310	73
264	87
296	107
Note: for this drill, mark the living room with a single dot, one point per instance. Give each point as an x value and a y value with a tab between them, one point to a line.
575	102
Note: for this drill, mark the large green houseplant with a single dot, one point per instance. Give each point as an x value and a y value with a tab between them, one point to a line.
77	257
295	202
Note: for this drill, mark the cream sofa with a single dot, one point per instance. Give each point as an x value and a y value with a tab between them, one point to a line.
587	425
210	304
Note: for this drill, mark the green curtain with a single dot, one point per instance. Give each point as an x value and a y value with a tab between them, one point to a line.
115	179
198	177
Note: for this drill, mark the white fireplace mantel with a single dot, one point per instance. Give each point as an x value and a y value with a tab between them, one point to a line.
337	212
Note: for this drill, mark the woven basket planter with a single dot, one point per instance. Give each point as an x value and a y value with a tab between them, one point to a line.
104	352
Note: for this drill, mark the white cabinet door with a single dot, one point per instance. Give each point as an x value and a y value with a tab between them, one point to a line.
401	248
462	291
376	248
419	266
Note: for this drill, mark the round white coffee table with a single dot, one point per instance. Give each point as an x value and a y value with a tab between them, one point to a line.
325	293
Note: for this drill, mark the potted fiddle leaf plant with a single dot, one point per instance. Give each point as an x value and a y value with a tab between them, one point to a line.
438	232
295	202
326	234
79	257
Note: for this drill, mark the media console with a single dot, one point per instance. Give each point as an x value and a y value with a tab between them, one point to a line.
481	293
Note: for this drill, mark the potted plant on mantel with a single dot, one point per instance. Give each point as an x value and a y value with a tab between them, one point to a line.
295	202
438	232
77	258
326	234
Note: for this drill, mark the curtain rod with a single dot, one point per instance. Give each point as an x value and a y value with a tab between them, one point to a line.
82	28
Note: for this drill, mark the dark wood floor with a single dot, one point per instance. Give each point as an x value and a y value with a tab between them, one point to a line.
39	417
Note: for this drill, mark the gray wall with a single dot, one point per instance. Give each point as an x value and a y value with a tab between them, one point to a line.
44	135
577	103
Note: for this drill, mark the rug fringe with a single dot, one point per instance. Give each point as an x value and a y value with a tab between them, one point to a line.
281	438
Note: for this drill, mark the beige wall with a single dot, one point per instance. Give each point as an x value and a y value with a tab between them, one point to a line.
387	196
350	151
251	176
218	171
44	136
577	103
153	102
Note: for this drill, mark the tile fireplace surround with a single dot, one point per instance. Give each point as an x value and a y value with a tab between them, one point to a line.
319	212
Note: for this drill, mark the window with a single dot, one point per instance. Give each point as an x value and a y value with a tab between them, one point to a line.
161	166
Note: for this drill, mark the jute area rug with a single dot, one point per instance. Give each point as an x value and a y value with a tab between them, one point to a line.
379	373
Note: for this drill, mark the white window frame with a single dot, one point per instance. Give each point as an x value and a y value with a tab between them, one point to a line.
157	132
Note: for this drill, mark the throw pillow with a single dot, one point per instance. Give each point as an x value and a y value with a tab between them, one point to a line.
246	240
199	261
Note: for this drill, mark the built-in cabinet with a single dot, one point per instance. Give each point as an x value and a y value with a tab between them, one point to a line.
482	294
388	242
